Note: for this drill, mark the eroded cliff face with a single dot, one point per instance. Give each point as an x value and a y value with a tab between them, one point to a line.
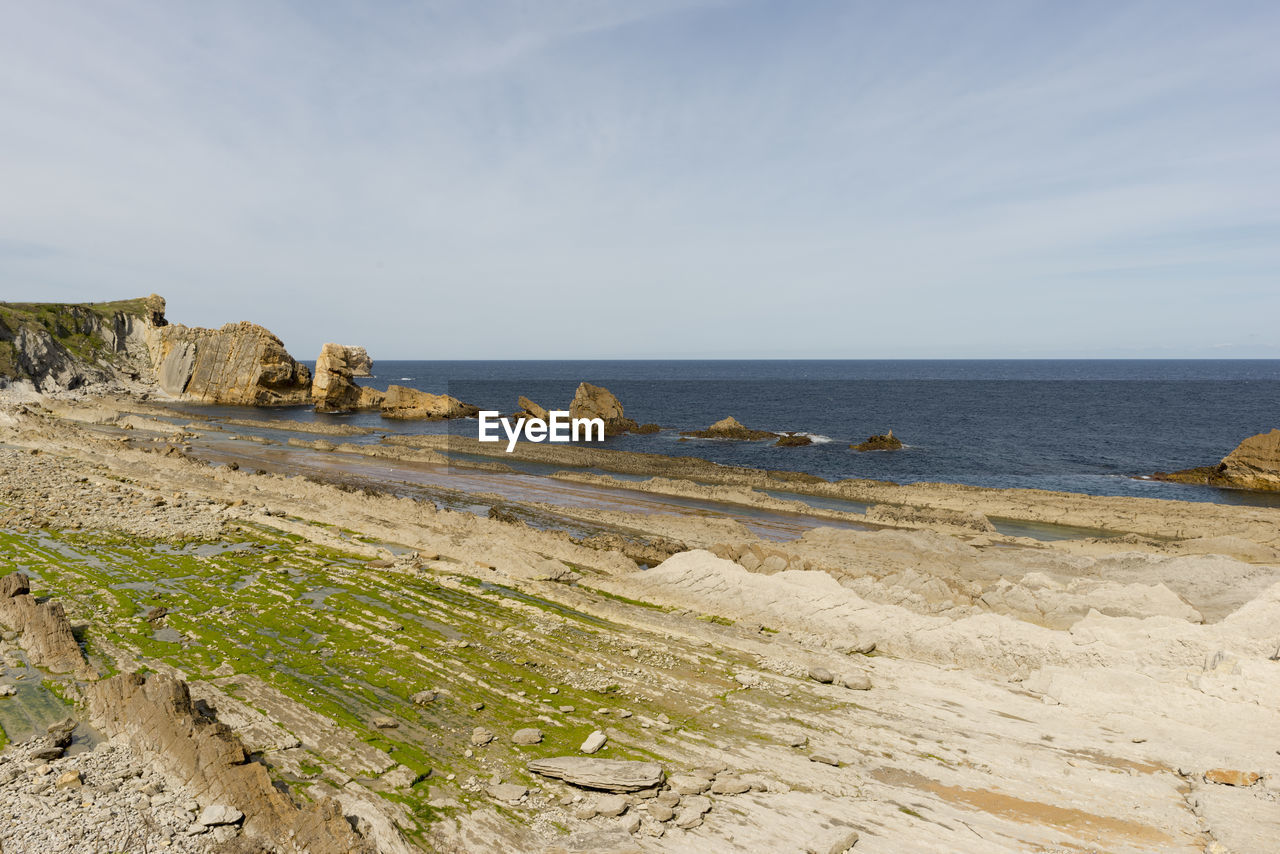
333	389
241	364
1255	463
57	347
43	626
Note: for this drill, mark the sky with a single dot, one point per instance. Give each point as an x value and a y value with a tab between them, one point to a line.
655	178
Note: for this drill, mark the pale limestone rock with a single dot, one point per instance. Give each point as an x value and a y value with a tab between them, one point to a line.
240	364
333	389
592	401
610	775
406	403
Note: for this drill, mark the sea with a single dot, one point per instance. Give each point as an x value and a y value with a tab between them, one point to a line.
1089	426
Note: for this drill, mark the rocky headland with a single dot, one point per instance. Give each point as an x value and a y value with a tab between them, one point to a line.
1254	464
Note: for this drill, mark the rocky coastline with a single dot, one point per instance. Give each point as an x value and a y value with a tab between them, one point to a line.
267	636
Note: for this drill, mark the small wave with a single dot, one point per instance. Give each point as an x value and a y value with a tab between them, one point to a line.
817	438
405	379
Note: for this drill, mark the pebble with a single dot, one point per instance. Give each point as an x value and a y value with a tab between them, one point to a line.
527	736
684	784
611	806
594	742
821	674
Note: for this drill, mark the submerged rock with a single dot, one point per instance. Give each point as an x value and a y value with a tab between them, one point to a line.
608	775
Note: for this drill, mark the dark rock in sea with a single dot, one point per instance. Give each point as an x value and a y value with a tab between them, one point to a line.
646	429
793	440
886	442
729	428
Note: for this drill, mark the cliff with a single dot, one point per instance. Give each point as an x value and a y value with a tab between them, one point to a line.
241	364
60	346
57	346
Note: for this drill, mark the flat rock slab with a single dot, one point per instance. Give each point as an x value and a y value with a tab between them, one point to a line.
608	775
597	842
219	814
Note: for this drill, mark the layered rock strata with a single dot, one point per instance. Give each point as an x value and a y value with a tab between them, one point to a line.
408	403
593	401
1254	464
156	716
240	364
45	631
333	388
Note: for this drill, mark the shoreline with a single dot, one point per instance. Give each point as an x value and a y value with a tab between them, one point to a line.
304	608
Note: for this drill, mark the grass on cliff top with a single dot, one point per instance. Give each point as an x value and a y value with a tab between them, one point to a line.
37	310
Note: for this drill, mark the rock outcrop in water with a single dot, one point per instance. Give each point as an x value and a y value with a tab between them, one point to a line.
883	442
1254	464
408	403
157	717
593	401
333	388
729	428
359	362
531	409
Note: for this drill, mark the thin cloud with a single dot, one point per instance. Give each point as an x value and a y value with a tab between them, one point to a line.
607	178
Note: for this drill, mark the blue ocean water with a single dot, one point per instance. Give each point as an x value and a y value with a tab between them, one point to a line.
1082	426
